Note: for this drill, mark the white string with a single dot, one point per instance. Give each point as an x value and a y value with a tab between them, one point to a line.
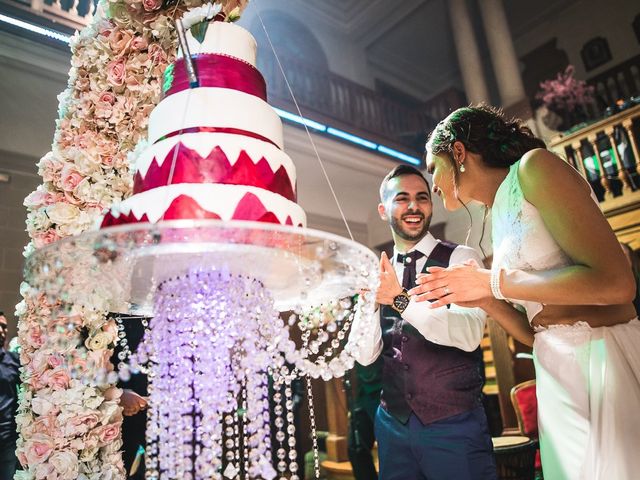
304	123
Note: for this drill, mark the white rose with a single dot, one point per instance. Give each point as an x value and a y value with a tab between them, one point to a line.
98	341
63	213
41	406
38	219
66	464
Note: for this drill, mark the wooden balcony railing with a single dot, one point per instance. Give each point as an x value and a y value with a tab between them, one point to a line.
607	154
330	98
619	82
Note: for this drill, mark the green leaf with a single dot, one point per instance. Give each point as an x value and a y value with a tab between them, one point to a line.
199	30
168	78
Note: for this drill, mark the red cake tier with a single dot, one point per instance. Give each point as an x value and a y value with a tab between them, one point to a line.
216	70
184	207
191	167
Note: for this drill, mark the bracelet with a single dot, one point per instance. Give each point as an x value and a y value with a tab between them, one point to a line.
495	284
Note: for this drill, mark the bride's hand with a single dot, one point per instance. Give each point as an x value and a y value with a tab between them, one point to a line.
466	285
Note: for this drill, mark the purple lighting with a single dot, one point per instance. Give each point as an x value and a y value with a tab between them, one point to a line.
208	351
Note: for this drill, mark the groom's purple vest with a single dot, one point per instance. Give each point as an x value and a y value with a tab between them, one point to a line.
433	381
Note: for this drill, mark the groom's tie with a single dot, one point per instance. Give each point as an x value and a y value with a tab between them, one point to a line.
409	261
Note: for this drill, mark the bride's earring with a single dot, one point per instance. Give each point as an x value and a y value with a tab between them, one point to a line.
462	169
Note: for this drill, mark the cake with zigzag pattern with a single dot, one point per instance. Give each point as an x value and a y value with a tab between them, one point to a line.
214	151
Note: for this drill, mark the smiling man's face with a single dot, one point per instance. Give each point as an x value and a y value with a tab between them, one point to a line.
408	209
4	326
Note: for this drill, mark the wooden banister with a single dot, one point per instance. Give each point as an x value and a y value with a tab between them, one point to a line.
619	179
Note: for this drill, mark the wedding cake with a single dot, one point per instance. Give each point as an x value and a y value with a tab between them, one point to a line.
214	151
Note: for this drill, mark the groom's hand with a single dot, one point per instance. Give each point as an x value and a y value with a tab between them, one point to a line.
389	285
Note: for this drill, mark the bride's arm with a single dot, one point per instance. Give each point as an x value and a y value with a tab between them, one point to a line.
600	274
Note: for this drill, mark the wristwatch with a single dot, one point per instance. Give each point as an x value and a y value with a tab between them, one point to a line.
401	301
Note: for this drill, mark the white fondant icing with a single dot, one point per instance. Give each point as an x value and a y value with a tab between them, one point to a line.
217	198
215	107
224	38
232	145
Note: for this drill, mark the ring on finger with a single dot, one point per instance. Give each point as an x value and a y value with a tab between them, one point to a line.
446	290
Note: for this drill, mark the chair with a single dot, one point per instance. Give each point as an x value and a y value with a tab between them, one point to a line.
525	404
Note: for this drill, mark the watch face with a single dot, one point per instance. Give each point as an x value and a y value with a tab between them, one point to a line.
400	302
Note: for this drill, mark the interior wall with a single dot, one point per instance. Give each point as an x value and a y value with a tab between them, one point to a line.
580	22
23	179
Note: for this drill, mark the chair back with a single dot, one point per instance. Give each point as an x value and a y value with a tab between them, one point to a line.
525	404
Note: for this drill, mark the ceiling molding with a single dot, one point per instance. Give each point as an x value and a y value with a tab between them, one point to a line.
363	20
552	10
371	24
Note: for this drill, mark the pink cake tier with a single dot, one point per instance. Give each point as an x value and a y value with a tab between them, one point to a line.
214	151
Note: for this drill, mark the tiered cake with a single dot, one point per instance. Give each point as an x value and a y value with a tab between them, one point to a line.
215	151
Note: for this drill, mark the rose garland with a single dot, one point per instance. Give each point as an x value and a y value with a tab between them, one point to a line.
70	428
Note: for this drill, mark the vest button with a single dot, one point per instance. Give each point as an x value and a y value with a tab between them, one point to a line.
405	338
409	396
405	366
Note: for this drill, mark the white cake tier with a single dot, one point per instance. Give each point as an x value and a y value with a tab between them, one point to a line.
222	200
224	38
211	107
232	145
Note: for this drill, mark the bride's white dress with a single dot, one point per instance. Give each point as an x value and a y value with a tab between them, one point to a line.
588	379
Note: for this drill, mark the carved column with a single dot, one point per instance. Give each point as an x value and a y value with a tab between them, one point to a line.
504	59
467	50
604	181
623	175
628	127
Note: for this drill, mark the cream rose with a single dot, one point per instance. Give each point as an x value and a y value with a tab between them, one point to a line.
65	464
63	213
98	341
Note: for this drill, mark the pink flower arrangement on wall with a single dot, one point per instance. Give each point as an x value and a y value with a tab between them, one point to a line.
565	93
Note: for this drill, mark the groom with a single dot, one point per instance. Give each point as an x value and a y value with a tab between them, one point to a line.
431	423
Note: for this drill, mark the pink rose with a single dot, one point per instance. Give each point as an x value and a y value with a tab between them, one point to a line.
119	40
108	433
34	336
55	360
81	424
39	198
70	197
38	448
49	167
139	43
116	72
70	178
46	425
112	393
151	5
40	239
107	97
58	379
157	54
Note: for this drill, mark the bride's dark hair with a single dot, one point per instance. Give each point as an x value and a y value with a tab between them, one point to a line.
483	130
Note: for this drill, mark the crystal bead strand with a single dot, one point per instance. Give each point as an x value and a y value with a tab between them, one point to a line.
314	433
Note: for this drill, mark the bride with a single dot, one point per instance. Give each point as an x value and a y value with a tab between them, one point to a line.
557	260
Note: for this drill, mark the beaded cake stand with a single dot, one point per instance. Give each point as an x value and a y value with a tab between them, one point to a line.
220	346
